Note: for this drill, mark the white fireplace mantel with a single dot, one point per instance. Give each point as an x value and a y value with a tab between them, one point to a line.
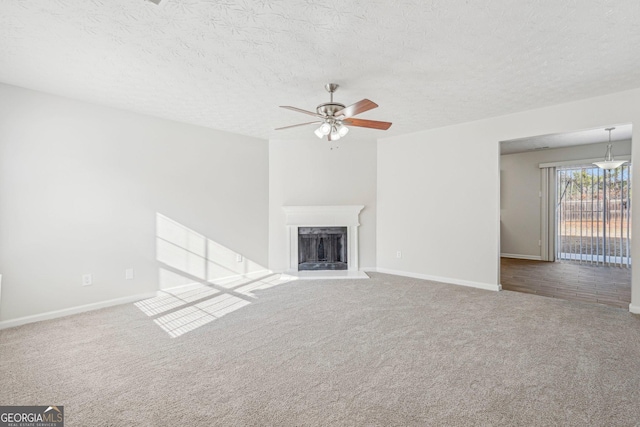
323	216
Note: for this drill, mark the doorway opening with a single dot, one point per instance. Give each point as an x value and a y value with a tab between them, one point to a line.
565	224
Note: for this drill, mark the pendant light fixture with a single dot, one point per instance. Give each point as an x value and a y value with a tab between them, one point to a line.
609	162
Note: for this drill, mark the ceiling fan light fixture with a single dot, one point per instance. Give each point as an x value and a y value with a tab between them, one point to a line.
609	162
335	135
323	130
332	116
342	130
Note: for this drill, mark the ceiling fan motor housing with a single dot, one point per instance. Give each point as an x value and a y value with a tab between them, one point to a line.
329	108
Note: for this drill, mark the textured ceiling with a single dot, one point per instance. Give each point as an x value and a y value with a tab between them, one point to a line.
228	64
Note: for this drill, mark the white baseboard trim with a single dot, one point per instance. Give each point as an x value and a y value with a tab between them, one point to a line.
74	310
518	256
635	309
449	280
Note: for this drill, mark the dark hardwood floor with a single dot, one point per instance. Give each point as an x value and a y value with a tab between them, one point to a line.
568	280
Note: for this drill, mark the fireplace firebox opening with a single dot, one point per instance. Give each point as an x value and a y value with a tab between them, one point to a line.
322	248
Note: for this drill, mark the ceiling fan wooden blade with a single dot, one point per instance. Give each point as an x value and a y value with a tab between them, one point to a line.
300	110
373	124
357	108
299	124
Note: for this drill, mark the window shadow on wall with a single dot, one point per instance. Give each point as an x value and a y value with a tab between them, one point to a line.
200	279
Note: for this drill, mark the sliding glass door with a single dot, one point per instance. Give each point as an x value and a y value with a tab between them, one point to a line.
593	215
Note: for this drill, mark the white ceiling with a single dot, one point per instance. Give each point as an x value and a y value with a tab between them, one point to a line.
558	140
229	64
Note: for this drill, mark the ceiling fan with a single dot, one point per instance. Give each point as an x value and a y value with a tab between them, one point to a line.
333	117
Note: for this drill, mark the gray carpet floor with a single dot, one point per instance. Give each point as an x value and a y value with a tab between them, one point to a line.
387	351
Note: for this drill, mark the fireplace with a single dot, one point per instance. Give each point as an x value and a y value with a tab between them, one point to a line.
322	241
322	248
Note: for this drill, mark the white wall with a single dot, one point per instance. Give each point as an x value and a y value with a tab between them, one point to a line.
81	188
439	190
307	172
520	185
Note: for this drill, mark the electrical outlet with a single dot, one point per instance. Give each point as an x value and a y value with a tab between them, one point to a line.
238	258
87	279
128	274
399	254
